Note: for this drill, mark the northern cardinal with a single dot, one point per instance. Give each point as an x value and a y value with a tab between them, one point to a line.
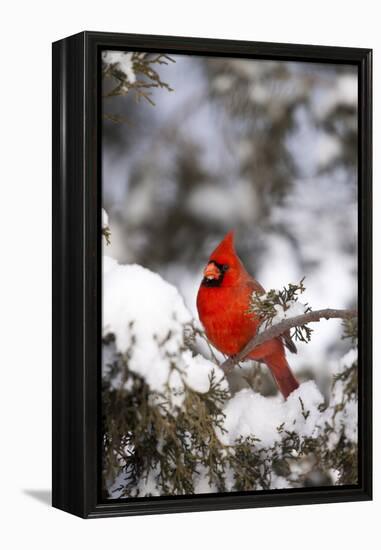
223	306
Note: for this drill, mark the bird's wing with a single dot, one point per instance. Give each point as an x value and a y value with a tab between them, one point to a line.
286	336
255	286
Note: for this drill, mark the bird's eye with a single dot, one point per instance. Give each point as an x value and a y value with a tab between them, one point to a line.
225	267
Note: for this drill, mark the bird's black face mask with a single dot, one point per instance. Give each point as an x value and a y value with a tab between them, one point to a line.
214	274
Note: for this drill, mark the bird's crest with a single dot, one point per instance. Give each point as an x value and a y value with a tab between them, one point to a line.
225	250
226	255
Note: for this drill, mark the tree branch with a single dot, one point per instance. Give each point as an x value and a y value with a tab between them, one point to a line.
277	330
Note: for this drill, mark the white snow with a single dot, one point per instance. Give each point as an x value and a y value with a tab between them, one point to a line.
123	60
148	317
294	310
104	219
198	371
134	295
347	360
250	414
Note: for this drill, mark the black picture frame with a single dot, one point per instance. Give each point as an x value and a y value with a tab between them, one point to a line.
77	281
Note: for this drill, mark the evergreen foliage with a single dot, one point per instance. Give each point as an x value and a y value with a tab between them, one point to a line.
153	446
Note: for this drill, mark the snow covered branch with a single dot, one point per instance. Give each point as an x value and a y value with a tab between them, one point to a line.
278	329
172	424
126	72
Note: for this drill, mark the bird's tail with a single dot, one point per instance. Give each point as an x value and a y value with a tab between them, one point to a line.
285	380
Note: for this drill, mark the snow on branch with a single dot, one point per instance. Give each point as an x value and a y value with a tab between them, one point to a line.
127	72
278	329
172	425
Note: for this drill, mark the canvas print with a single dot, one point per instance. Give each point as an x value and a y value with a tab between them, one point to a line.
229	286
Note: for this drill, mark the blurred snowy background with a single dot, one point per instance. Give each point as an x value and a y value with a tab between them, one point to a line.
266	148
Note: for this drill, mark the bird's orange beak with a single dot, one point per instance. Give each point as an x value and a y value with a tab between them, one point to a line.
211	271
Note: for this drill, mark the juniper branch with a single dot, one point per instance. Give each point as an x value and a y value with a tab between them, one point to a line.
277	330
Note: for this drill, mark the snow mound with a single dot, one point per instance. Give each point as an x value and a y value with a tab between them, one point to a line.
148	319
250	414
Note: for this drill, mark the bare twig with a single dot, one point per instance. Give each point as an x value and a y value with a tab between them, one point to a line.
278	329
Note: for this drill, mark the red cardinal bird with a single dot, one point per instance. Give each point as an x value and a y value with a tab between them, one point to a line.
223	307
